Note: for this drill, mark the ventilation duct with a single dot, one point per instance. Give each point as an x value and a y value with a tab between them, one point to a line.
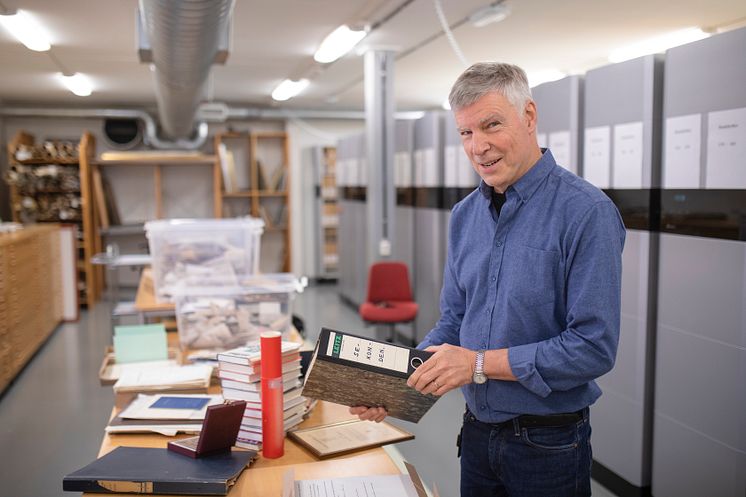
182	40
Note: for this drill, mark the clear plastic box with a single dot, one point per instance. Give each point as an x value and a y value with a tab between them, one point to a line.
224	317
201	252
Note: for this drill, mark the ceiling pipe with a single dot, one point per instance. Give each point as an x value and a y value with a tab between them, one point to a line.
151	130
184	38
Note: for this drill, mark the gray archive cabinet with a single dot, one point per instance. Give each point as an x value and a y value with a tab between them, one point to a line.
622	117
699	442
403	246
559	107
430	220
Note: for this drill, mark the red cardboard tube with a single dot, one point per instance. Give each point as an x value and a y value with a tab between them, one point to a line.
273	436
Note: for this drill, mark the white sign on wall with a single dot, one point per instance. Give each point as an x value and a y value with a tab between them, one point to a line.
681	164
628	155
596	156
726	149
559	144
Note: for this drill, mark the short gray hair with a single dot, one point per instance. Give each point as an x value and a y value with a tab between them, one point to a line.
485	77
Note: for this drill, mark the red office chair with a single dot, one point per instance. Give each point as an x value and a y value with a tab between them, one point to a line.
389	298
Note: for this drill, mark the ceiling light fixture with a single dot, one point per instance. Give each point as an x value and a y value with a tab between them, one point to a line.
337	43
539	77
288	89
77	83
24	27
487	15
657	44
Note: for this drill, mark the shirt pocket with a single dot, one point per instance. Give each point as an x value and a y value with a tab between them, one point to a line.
533	276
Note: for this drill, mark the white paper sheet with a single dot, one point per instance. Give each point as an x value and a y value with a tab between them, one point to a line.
363	486
681	164
628	155
559	144
541	139
726	149
596	156
451	166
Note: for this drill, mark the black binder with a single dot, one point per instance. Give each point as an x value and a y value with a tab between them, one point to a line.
355	371
159	471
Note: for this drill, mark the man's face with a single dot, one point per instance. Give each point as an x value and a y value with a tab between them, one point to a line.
499	140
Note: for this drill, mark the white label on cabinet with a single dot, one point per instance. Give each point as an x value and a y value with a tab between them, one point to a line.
628	155
451	165
353	172
682	148
726	149
363	172
541	139
418	168
430	176
405	163
596	156
559	144
467	176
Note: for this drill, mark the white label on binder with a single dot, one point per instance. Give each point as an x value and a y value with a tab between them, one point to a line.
559	144
596	156
451	165
682	149
726	148
367	352
628	155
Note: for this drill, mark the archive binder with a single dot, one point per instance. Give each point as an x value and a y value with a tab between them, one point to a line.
356	371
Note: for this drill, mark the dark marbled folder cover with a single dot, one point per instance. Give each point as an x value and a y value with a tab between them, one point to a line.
351	384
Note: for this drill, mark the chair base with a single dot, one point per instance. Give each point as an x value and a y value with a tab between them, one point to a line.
392	330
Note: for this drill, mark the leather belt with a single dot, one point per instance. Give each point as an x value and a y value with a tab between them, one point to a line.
531	420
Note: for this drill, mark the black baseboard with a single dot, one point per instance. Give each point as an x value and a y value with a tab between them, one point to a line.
616	483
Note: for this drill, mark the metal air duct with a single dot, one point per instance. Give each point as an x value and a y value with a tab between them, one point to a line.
184	38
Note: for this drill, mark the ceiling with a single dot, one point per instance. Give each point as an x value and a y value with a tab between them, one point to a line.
275	39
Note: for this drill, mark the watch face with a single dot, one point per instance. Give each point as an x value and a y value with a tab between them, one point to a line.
479	378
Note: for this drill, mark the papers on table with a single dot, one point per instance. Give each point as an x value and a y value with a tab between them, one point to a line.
164	378
147	406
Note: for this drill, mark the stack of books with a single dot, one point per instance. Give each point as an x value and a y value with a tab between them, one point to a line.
240	376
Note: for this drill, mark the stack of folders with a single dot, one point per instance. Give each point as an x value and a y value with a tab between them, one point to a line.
164	414
240	374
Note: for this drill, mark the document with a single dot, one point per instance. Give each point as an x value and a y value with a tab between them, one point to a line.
596	163
726	149
347	436
363	486
681	159
628	156
168	406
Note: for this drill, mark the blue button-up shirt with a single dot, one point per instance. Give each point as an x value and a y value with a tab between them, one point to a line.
543	280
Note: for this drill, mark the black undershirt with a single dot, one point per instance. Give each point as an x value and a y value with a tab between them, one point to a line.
498	199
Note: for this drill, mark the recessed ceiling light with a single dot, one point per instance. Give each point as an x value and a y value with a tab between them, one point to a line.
26	29
288	89
77	83
489	14
337	43
657	44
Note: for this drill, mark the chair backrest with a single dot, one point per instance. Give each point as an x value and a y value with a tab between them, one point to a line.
388	280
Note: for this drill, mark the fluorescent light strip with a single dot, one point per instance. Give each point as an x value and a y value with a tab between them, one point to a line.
24	27
337	43
77	83
288	89
657	44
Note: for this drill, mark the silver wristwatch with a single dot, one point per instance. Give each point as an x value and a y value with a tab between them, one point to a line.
479	377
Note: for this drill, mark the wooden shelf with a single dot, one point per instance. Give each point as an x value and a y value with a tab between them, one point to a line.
46	162
263	203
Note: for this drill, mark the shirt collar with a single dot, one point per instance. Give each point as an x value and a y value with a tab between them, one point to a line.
529	182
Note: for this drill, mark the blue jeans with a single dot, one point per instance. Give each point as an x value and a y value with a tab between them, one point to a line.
507	459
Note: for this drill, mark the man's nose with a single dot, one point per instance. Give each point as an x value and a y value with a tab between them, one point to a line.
479	144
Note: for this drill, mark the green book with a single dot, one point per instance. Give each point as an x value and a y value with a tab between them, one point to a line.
139	343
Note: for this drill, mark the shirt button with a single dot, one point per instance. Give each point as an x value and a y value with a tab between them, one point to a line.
483	407
499	244
494	278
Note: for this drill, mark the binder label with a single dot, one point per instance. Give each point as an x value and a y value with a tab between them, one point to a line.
368	352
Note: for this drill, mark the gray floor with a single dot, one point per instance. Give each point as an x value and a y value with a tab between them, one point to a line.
53	416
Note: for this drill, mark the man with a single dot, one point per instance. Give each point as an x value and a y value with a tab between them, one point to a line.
530	302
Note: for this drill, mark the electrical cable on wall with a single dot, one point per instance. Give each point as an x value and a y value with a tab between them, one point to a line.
449	33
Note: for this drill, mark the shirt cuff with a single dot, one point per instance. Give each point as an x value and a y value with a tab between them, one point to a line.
522	359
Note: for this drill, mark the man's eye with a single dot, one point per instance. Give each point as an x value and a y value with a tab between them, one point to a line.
465	133
492	124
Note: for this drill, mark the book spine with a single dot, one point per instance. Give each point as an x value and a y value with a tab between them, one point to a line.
273	436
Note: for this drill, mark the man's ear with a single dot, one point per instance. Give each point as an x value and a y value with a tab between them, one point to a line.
530	115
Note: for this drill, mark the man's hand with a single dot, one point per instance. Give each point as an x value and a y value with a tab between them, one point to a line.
376	414
450	367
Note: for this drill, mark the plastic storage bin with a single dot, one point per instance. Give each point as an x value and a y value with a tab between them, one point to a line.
200	252
229	316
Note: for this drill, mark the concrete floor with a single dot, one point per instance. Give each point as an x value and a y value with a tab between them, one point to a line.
53	415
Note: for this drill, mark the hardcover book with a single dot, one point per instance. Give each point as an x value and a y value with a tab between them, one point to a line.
355	371
159	471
